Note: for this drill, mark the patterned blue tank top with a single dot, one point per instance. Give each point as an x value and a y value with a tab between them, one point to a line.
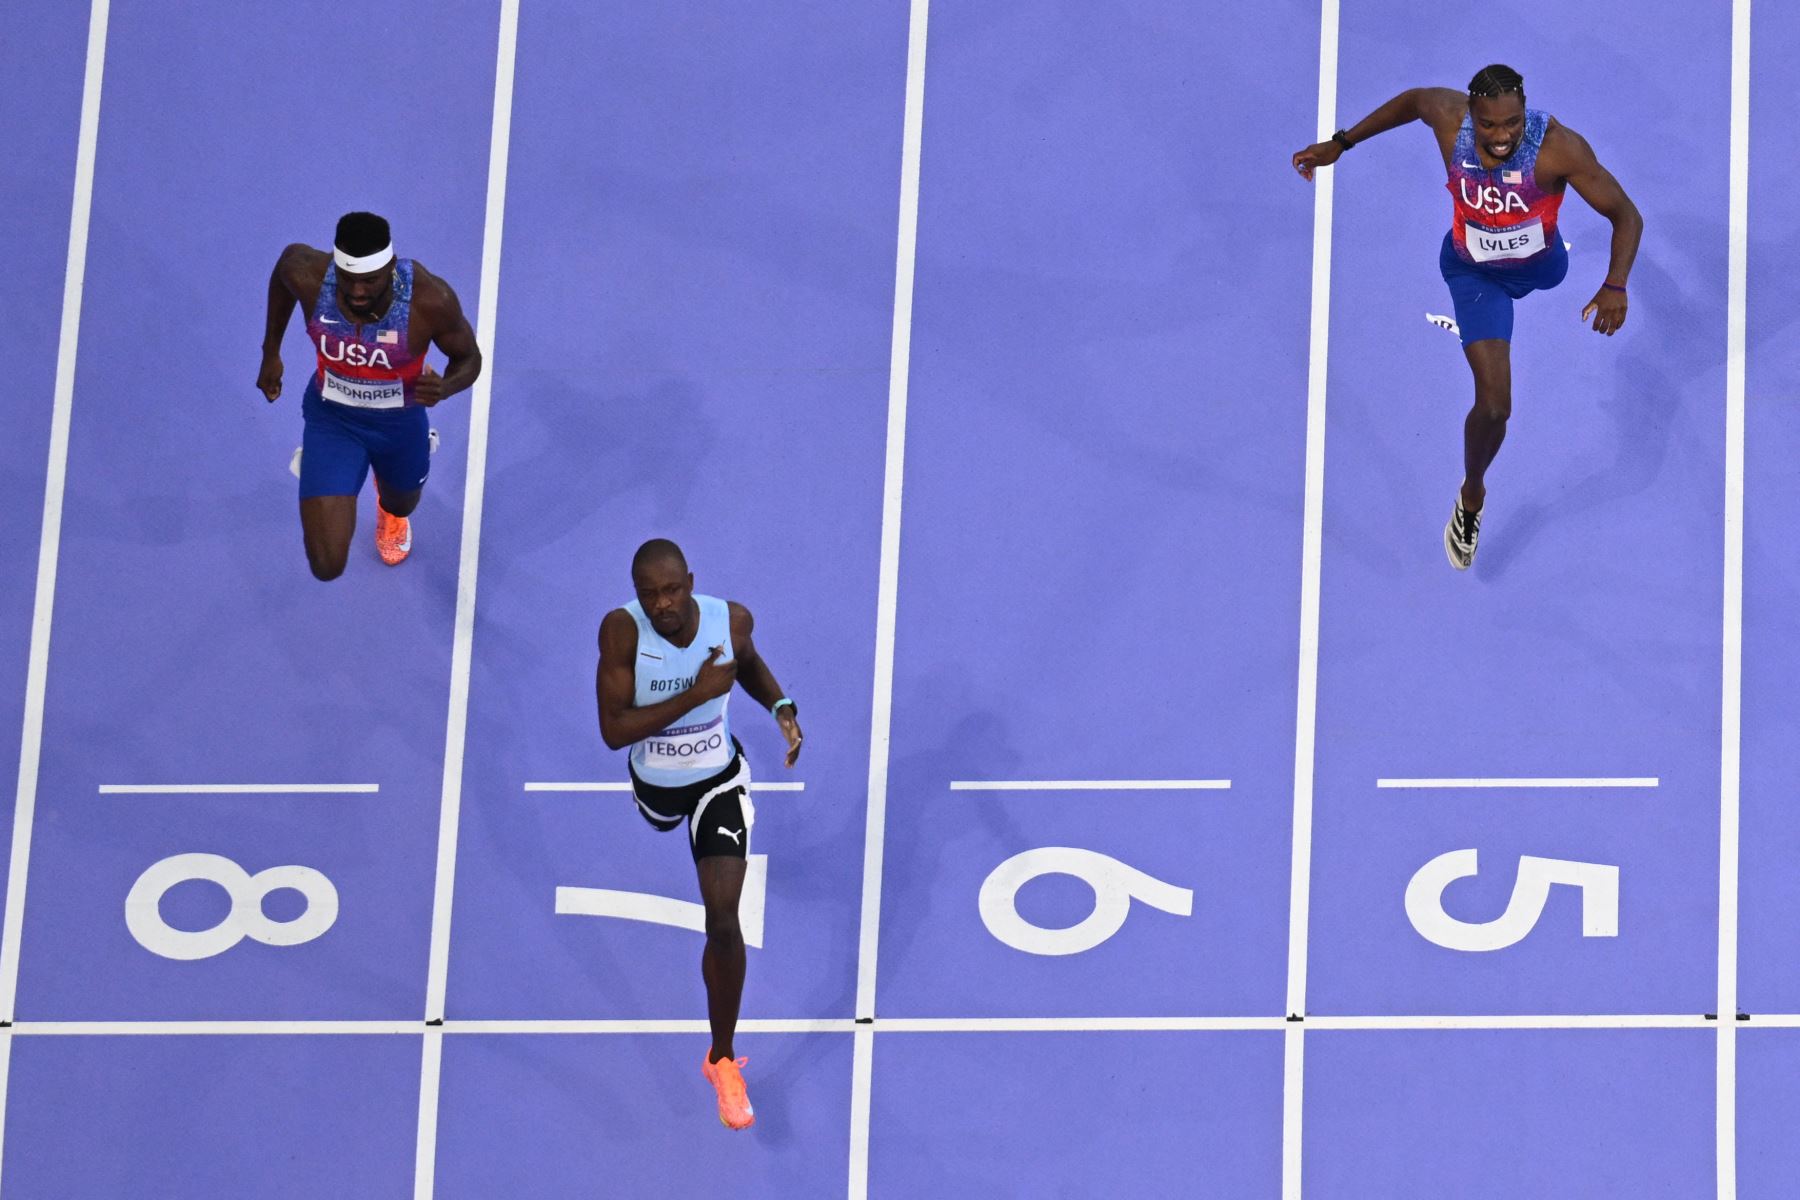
1501	216
364	366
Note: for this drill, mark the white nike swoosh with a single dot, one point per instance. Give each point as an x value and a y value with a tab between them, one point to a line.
329	321
1473	166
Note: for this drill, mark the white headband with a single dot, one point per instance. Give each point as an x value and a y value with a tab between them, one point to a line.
365	264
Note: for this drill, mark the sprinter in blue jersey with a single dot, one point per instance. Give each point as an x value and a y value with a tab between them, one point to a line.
667	664
1508	167
370	317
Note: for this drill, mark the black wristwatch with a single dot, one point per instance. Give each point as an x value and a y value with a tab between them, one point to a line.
1342	139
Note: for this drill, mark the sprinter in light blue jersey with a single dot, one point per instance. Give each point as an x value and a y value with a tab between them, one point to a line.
667	663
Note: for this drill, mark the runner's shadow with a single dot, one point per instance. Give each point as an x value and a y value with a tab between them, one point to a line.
1646	398
572	450
974	741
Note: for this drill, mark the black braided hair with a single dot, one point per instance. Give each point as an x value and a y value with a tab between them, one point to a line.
1496	79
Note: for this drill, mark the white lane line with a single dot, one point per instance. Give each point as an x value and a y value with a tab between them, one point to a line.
1732	650
1545	781
31	740
1293	1111
236	789
1088	785
468	567
612	786
6	1045
862	1076
431	1072
887	591
468	572
1311	543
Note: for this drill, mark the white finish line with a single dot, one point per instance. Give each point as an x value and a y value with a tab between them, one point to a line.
899	1025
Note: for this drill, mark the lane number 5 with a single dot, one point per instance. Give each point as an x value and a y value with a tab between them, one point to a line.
1598	884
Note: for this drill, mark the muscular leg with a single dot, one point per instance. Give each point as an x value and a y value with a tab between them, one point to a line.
1485	427
722	962
398	504
328	523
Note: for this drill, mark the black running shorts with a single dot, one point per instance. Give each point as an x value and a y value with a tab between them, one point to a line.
716	810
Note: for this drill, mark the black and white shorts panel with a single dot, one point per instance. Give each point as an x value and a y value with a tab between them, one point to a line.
716	812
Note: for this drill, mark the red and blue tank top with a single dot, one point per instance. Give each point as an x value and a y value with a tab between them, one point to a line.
1502	217
370	365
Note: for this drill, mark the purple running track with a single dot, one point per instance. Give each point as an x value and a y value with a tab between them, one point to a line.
1099	579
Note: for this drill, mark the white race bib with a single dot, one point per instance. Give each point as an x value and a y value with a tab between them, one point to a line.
367	393
1515	241
689	748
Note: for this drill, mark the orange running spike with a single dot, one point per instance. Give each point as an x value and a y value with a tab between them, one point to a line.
727	1079
393	536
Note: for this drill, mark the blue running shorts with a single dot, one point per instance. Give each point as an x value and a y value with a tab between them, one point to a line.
1484	295
341	444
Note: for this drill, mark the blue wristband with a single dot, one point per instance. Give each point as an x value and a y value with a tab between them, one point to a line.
776	707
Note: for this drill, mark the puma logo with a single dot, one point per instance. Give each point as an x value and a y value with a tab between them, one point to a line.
733	834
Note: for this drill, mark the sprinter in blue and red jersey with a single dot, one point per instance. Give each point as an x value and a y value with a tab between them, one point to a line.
1509	166
370	318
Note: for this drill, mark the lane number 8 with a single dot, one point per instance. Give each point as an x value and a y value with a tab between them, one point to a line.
143	911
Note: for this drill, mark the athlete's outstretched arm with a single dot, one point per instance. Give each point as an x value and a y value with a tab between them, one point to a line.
450	332
615	686
1434	106
759	680
282	298
1595	184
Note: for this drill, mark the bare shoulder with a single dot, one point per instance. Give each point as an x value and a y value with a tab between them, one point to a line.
301	267
433	293
618	635
432	287
1564	151
1443	108
438	312
1560	139
742	626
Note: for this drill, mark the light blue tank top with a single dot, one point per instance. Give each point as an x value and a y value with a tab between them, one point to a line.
698	745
